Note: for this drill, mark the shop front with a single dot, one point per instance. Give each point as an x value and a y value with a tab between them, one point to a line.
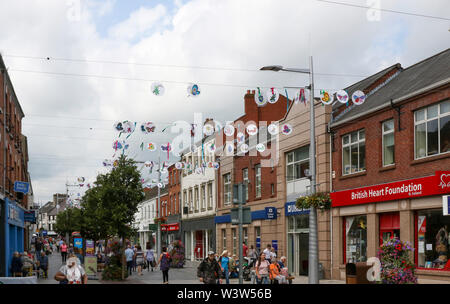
13	223
412	210
297	223
199	237
173	230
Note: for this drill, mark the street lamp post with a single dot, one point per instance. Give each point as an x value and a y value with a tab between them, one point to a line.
313	263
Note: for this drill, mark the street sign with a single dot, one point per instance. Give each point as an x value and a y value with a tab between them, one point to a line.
23	187
275	244
246	216
271	213
152	227
238	194
258	242
30	216
44	233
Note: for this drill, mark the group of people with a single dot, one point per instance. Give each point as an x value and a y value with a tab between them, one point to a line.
25	264
265	267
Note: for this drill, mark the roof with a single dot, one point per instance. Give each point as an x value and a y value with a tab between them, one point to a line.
16	100
153	192
418	76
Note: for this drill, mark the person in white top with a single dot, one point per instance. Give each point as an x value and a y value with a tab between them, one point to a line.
268	253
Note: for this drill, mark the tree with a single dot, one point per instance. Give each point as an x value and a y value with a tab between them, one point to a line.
117	196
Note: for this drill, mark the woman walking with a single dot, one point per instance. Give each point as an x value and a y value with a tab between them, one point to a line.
63	252
224	262
150	257
262	269
164	260
139	256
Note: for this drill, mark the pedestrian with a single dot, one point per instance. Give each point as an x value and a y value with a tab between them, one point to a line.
273	254
64	252
150	257
267	253
275	273
57	245
38	247
79	255
209	270
129	255
16	265
72	272
43	264
134	258
165	260
139	257
262	269
71	249
28	265
224	265
244	249
252	255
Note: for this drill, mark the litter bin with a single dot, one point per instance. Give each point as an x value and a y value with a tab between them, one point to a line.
361	273
350	273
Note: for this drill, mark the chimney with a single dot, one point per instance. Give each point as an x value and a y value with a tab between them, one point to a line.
250	104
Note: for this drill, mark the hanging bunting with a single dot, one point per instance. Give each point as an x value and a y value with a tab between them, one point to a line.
273	129
260	147
211	148
252	129
228	130
158	89
148	127
167	148
342	96
260	99
208	129
178	165
300	97
193	90
117	145
244	148
118	126
358	97
216	165
272	95
240	137
286	129
326	97
151	146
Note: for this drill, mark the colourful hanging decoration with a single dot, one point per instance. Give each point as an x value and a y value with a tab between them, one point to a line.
118	126
272	95
178	165
300	97
252	129
286	129
260	147
228	130
193	90
244	148
151	146
326	97
148	127
358	97
211	148
273	129
117	145
167	148
157	89
240	137
208	129
260	99
342	96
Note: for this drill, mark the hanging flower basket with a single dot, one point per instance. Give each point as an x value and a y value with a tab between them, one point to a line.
320	201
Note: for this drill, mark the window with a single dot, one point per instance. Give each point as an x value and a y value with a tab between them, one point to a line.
258	180
227	188
353	152
224	239
388	143
245	180
196	198
203	197
245	235
234	241
297	162
185	199
356	239
258	237
210	196
190	200
432	130
433	243
272	188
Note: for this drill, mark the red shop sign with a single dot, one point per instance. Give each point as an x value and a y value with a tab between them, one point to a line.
170	227
425	186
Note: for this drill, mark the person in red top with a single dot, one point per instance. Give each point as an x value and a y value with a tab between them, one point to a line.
244	249
64	252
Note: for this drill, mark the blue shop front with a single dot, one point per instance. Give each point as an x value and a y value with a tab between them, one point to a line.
11	233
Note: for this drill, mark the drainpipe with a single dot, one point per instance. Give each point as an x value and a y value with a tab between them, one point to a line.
331	210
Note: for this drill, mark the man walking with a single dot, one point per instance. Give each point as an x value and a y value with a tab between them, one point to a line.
209	270
129	255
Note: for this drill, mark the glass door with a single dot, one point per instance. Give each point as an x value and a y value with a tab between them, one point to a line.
303	242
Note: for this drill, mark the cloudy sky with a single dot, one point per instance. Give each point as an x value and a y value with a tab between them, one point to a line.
104	56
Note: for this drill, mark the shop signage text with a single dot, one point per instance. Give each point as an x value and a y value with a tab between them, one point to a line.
425	186
290	208
23	187
170	227
271	213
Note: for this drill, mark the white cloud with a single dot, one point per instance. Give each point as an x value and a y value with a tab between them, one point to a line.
246	34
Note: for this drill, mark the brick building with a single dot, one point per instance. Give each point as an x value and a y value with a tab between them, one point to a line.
173	207
387	156
257	171
14	167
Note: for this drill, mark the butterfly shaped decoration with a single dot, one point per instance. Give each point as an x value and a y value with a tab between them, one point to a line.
326	97
118	126
148	127
157	89
272	95
151	146
286	129
358	97
260	99
193	90
342	96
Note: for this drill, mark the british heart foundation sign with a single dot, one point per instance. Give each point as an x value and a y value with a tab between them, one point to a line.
425	186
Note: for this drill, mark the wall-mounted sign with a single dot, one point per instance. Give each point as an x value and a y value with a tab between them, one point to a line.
152	227
23	187
30	216
290	208
271	213
418	187
275	244
170	227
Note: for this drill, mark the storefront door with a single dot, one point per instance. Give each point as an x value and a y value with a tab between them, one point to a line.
298	245
303	241
389	226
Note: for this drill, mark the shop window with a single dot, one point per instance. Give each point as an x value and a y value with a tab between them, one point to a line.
388	143
355	239
353	152
432	130
433	243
